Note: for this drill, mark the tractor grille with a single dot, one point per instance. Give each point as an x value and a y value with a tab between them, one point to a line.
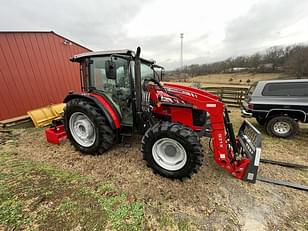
199	117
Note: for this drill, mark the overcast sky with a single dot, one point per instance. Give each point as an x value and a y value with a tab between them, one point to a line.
213	29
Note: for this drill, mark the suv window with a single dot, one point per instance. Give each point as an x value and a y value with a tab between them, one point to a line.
286	89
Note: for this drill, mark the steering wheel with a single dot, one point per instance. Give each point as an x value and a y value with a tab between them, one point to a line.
146	82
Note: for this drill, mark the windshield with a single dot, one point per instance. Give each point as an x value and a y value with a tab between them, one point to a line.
146	72
149	71
158	73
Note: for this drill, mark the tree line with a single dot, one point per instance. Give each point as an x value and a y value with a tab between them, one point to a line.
291	59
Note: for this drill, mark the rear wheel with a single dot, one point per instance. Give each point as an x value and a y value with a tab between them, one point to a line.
172	150
87	127
282	126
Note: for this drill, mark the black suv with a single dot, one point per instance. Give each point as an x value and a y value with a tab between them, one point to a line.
278	105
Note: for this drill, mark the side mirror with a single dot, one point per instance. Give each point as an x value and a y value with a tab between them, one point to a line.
111	69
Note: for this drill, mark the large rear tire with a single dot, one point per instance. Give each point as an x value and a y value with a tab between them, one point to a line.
87	127
172	150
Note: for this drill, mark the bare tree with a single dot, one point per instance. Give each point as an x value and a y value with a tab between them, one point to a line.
275	56
293	58
297	62
255	61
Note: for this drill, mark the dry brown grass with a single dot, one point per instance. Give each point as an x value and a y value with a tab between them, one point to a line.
235	79
211	200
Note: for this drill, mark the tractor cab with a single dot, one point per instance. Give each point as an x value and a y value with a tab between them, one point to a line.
113	75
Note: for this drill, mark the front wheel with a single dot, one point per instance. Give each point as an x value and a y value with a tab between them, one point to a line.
172	150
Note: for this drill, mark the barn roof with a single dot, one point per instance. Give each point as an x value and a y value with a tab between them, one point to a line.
49	32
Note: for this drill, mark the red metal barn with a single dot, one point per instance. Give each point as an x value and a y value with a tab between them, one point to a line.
35	70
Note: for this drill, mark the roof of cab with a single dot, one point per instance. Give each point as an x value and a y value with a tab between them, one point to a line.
77	58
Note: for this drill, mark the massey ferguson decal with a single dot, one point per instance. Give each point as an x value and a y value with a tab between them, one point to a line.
182	92
166	99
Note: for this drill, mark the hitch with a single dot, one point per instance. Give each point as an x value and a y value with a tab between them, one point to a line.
249	147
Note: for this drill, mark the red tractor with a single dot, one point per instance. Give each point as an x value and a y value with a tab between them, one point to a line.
122	94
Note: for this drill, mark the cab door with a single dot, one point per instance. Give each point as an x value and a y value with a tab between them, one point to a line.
115	87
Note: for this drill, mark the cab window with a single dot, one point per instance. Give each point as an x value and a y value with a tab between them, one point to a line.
99	78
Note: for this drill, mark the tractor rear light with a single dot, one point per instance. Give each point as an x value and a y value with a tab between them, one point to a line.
250	106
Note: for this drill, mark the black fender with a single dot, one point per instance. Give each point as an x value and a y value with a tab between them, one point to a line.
293	113
93	100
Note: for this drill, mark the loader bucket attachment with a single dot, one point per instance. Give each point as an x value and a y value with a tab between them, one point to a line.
249	145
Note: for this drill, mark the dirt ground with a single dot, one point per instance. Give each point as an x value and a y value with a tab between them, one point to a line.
211	200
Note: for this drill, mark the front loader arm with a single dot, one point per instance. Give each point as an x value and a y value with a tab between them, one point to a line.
238	155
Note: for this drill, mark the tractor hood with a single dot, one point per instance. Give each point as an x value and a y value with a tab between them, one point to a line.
189	95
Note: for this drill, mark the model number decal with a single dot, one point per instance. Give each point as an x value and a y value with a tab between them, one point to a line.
220	140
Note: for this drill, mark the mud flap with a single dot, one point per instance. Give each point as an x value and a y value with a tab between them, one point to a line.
249	145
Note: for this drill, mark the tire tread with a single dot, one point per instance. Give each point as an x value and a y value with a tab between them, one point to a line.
106	135
187	137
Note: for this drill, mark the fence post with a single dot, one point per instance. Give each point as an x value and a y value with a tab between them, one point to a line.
222	93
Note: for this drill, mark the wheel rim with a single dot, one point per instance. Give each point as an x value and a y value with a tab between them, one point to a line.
281	128
82	129
169	154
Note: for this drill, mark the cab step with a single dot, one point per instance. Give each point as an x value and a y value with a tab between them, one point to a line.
126	130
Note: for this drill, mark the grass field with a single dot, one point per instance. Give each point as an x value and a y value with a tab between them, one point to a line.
235	80
54	187
36	196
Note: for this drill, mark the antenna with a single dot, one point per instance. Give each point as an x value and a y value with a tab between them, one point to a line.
182	36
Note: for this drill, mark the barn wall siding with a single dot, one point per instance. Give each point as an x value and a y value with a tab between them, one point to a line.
35	71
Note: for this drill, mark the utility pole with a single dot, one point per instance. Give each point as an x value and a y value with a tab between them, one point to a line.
181	36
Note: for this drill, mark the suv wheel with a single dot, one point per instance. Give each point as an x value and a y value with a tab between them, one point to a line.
282	126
